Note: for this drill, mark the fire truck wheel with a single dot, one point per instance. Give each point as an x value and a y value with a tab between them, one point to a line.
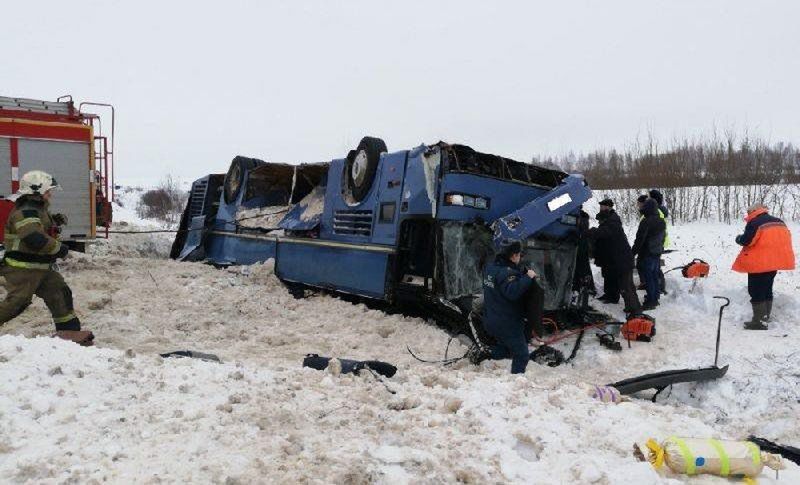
234	179
362	163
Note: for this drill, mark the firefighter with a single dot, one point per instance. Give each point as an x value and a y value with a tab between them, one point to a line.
32	246
766	249
647	247
505	284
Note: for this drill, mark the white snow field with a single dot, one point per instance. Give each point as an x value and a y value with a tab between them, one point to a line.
118	413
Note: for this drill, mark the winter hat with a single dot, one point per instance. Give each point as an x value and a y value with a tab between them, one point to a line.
510	247
658	196
642	198
650	207
607	203
754	211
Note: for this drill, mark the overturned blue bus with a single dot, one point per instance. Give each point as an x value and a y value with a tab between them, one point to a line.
413	228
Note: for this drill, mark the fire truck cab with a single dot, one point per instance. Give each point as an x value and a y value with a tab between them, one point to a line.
67	143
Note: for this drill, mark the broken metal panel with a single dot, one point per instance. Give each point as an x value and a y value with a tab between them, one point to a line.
543	211
193	247
306	214
430	166
419	174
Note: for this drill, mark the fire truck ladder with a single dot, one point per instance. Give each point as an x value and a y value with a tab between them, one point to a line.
104	160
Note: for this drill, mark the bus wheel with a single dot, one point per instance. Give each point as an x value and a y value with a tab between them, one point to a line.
361	166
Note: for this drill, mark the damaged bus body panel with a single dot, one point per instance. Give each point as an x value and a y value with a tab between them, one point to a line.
413	227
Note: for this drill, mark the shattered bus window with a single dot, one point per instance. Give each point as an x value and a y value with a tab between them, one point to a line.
466	248
461	158
554	263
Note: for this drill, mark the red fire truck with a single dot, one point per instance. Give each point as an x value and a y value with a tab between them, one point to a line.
69	144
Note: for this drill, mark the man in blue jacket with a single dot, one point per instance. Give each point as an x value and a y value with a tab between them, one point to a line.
505	283
648	247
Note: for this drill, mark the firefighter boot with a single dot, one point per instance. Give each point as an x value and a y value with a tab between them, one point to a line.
760	315
71	330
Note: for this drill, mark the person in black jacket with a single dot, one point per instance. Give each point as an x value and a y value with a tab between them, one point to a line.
639	206
583	278
614	256
602	254
659	198
648	246
656	195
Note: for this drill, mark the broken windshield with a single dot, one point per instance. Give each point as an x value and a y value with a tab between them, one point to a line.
467	249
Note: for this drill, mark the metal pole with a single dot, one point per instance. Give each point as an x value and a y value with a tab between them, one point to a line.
719	325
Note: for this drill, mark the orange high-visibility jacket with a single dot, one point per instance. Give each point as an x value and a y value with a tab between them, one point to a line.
767	245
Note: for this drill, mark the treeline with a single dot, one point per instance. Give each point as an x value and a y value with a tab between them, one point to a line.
725	160
722	203
715	178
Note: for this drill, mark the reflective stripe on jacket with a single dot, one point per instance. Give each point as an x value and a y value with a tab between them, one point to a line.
27	237
767	245
663	216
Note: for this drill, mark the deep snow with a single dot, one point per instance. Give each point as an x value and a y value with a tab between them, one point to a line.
119	413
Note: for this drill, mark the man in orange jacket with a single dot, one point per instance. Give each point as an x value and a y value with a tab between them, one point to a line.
766	249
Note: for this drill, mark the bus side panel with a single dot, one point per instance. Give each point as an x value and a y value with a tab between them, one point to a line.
68	163
225	250
354	271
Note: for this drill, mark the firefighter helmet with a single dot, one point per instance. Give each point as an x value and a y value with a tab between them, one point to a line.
37	182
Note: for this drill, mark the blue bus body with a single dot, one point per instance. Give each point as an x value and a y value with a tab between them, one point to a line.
422	234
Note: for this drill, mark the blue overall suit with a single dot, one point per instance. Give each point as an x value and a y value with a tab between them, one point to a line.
504	285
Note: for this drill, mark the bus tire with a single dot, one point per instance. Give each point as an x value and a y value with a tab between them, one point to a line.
361	166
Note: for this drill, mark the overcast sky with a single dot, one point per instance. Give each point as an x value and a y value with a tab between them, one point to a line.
196	83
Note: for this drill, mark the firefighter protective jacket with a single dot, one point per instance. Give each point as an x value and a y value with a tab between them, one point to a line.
29	231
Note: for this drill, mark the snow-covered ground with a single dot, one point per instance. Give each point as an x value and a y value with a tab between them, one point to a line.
118	413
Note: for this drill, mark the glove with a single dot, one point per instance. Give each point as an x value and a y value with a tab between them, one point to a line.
59	219
62	251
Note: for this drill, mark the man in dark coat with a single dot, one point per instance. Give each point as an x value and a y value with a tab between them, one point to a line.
602	255
648	247
505	283
639	206
614	256
664	213
656	195
583	277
